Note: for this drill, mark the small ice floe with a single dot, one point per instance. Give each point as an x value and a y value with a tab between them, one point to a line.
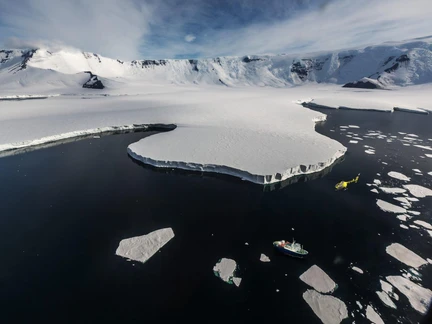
367	146
386	299
412	135
330	310
402	133
390	208
246	243
429	260
374	190
377	182
398	175
430	173
412	199
353	142
416	170
429	155
348	135
403	218
385	163
353	126
418	191
406	144
357	138
343	127
373	316
424	147
370	151
430	233
357	269
404	255
264	258
404	226
225	269
359	304
379	174
388	289
392	191
413	226
418	297
402	200
142	248
318	279
413	212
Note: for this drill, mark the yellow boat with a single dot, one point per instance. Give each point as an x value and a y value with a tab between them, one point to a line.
344	184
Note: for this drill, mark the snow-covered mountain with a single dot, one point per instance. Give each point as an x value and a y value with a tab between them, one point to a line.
388	64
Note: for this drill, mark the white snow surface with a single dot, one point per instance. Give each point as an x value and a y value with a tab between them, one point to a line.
404	255
373	316
419	297
399	176
142	248
318	279
388	207
418	191
264	258
329	309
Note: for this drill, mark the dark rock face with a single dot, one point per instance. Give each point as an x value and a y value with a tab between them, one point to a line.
363	84
4	60
93	82
194	64
27	55
247	59
121	62
304	66
149	63
97	56
401	59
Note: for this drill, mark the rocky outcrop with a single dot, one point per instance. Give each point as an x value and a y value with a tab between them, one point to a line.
93	82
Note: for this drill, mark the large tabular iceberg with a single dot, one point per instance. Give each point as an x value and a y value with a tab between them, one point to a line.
142	248
318	279
329	309
401	253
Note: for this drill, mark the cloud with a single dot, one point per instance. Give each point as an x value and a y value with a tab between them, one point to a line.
133	29
112	27
189	38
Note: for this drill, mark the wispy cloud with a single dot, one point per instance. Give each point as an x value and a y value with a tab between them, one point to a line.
197	28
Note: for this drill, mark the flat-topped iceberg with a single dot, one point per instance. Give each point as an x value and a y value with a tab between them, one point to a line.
225	269
142	248
392	191
373	316
390	208
404	255
399	176
318	279
329	309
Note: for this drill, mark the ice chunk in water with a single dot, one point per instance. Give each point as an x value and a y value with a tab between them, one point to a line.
318	279
225	269
404	255
329	309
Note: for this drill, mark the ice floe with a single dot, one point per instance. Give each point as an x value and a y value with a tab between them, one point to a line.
353	126
403	200
399	176
370	152
419	297
385	299
418	191
429	155
392	191
359	304
377	182
404	255
330	310
318	279
353	142
390	208
413	212
402	217
388	289
416	170
412	199
142	248
374	190
357	269
404	226
373	316
264	258
225	269
423	224
414	226
424	147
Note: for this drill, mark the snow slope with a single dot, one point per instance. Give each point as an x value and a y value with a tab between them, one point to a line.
404	63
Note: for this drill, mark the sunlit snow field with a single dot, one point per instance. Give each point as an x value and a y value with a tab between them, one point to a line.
65	209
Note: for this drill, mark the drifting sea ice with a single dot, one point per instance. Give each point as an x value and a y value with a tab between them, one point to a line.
264	258
386	299
403	218
404	226
353	142
329	309
225	269
419	297
402	200
418	191
374	190
423	224
318	279
404	255
399	176
357	269
390	208
377	182
142	248
392	191
388	289
373	316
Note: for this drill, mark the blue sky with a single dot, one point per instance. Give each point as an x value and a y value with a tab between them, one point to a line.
138	29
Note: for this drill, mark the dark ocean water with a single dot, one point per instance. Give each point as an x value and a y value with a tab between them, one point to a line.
64	209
